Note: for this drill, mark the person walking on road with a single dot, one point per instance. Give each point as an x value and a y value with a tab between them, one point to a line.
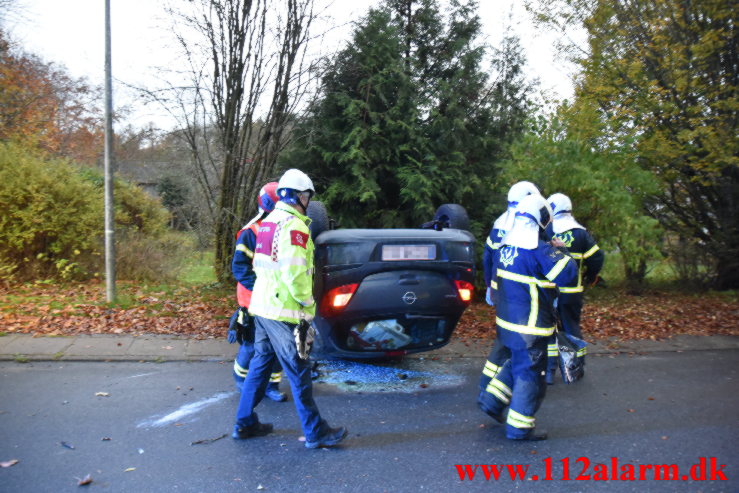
283	306
527	271
589	258
241	328
516	193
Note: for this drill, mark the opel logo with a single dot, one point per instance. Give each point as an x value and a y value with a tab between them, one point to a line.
409	298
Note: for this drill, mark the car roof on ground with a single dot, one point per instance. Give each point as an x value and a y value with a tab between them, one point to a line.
348	235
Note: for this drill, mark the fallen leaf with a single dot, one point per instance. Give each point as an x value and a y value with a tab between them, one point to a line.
9	463
105	439
630	410
650	398
129	469
102	394
84	481
167	347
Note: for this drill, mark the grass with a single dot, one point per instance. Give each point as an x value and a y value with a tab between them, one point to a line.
198	269
20	358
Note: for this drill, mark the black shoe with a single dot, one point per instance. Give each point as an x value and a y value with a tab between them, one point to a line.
255	430
329	439
499	417
532	436
273	393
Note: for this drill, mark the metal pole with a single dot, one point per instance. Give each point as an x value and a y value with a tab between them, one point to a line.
109	168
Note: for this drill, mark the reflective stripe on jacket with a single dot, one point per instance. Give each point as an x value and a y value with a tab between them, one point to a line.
490	251
527	282
283	263
588	256
241	265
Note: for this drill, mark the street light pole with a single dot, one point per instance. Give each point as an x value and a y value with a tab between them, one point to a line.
109	168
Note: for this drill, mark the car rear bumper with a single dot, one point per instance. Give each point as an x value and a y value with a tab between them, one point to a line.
334	336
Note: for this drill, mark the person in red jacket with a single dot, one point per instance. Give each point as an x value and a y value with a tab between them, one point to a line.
243	271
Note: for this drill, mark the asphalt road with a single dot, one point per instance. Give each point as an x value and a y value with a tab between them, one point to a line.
410	424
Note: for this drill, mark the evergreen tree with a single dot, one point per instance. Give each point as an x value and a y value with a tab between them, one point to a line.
405	120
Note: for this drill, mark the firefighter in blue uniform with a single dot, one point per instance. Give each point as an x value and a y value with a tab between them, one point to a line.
500	227
589	258
243	272
516	193
528	272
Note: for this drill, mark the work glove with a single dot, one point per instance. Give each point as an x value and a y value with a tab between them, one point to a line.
489	296
232	326
304	335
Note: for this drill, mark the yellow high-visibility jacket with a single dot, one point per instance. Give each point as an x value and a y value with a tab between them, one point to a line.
283	262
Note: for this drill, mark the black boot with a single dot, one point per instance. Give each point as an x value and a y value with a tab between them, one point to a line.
255	430
532	436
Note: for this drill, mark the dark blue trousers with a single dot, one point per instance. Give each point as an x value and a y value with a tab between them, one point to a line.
241	366
569	309
519	384
273	340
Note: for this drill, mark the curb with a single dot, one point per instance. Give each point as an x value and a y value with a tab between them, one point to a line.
160	349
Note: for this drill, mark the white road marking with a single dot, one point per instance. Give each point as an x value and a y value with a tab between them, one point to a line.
143	374
185	411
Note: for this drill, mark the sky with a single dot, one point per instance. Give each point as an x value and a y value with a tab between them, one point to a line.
71	33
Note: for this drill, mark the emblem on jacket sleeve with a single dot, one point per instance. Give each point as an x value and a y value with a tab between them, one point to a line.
298	238
566	237
507	255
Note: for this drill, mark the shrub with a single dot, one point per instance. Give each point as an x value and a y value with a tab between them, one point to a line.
159	258
51	217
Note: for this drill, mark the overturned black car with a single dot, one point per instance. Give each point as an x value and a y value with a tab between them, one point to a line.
390	292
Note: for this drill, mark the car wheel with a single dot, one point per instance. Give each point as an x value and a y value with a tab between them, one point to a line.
452	216
319	218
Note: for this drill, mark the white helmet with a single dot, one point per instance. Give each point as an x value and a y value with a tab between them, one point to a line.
562	219
295	179
560	203
520	190
535	207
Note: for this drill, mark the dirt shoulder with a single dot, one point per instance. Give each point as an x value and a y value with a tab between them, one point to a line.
654	316
202	313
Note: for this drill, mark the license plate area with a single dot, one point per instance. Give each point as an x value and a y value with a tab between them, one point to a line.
399	253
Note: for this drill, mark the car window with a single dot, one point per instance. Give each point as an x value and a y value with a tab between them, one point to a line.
346	253
458	251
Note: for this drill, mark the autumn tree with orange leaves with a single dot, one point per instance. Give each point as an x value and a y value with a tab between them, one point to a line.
43	107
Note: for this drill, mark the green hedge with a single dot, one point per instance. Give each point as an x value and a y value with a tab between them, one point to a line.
51	216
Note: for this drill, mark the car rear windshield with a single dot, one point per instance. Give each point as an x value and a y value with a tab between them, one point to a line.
362	252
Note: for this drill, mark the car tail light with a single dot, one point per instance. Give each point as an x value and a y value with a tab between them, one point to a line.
336	299
465	290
